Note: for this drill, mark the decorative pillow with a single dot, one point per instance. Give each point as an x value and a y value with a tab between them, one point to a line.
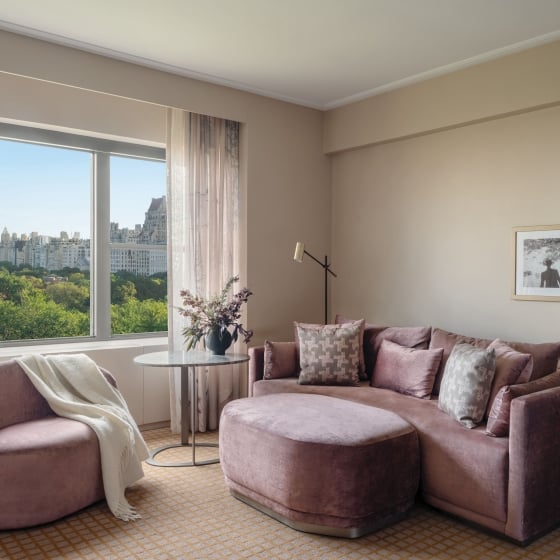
410	337
447	340
545	357
280	359
466	383
498	419
406	370
329	354
510	367
367	355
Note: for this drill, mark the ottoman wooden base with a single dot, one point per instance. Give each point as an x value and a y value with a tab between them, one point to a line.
320	464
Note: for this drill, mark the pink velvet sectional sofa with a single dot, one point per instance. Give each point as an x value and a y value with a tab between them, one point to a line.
502	473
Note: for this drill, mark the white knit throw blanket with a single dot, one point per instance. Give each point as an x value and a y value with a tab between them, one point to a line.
75	388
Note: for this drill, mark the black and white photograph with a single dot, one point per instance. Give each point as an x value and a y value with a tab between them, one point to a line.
537	263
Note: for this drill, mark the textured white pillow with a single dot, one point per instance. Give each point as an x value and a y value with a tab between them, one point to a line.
466	383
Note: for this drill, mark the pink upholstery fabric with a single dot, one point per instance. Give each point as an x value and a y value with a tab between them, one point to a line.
508	485
19	401
498	419
534	441
49	468
455	462
510	367
444	339
406	370
411	337
280	359
545	357
328	462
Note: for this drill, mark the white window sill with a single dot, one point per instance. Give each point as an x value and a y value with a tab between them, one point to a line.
8	351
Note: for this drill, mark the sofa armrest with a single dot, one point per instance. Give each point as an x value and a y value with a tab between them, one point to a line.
256	367
534	454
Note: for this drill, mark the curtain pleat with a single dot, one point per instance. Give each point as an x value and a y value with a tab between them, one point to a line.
203	241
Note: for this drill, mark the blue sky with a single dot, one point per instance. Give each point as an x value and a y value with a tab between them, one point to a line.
47	189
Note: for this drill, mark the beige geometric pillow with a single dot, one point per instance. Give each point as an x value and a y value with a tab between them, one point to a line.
466	383
329	354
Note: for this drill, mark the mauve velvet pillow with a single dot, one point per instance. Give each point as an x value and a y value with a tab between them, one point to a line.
511	366
466	383
447	340
329	354
406	370
546	357
498	419
280	359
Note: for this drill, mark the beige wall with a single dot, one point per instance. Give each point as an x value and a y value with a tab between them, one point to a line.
512	84
422	226
426	182
285	173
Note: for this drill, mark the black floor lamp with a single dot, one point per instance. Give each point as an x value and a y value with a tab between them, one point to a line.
298	256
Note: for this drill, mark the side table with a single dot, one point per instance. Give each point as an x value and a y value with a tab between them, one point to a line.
187	361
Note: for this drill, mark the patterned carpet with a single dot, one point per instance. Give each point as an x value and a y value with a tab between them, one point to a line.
187	513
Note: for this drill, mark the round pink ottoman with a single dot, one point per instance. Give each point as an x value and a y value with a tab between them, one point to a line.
320	464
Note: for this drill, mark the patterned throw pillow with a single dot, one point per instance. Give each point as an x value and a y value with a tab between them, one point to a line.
329	354
466	383
367	334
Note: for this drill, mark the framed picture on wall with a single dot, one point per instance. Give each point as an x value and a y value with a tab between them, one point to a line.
536	263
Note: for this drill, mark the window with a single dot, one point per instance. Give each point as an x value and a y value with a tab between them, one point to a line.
83	238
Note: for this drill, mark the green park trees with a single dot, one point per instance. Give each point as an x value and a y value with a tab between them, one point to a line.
36	304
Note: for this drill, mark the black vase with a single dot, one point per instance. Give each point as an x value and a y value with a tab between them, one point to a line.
218	341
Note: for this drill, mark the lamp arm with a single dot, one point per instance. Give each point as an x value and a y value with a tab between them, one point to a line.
325	265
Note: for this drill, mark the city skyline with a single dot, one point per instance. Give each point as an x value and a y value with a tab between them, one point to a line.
47	189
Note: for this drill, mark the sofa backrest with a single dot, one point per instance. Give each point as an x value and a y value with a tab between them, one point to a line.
19	400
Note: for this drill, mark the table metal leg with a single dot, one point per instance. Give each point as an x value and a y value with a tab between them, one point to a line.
185	410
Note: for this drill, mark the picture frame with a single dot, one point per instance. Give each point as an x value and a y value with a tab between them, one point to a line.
536	263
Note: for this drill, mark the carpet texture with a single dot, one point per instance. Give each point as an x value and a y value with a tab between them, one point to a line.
187	513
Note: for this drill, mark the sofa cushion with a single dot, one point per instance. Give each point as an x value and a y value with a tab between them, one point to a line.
406	370
280	359
455	461
411	337
444	339
466	383
510	367
366	335
19	400
498	419
546	357
329	354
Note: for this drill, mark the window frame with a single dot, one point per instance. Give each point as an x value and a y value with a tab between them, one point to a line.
101	149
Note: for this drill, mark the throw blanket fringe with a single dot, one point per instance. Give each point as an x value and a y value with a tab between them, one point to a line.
76	388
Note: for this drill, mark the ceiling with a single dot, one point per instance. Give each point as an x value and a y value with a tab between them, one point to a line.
317	53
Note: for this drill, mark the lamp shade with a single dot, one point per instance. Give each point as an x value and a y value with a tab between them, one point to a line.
298	254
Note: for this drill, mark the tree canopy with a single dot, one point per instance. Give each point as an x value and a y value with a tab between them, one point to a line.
34	306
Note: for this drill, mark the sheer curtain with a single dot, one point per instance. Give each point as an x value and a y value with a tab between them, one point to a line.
203	244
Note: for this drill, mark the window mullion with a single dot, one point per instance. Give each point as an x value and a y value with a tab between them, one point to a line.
101	311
